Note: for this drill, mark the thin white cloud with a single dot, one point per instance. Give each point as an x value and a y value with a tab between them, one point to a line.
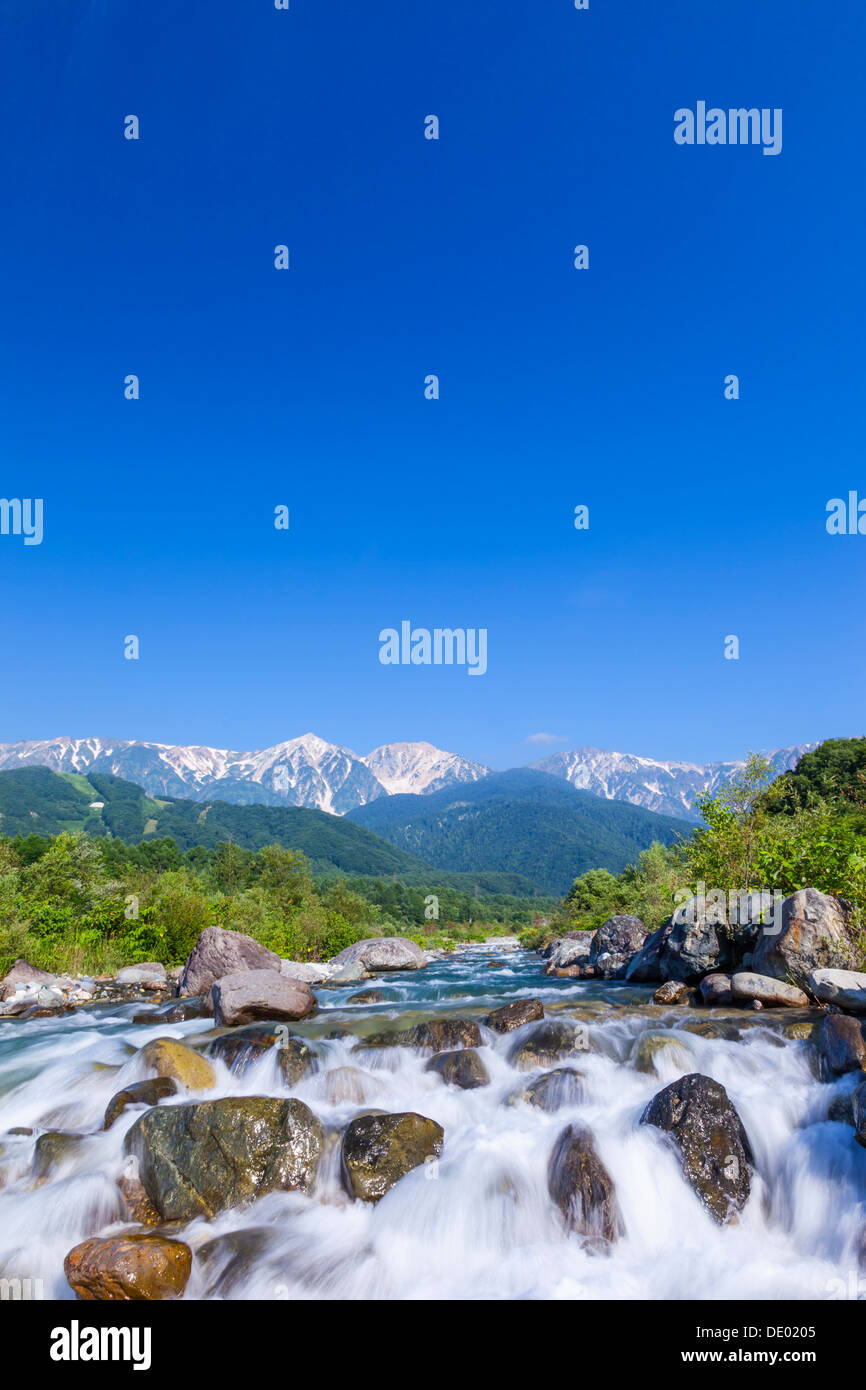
547	738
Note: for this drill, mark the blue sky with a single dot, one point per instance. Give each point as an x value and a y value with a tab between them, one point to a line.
409	257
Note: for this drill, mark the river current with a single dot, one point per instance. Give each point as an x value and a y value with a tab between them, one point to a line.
478	1223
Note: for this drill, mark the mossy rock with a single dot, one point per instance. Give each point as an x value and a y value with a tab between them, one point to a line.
378	1150
170	1058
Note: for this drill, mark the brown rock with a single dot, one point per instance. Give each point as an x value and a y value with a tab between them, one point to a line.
582	1188
129	1267
515	1014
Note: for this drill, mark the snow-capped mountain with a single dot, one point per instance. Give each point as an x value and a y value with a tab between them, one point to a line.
309	771
668	787
305	771
419	767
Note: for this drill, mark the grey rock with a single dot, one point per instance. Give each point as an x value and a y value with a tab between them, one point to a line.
844	988
382	953
841	1043
463	1068
251	995
816	933
615	944
748	987
218	953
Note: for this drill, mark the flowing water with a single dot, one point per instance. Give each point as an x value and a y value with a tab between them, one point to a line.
479	1223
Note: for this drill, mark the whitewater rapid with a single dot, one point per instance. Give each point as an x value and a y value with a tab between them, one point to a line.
479	1222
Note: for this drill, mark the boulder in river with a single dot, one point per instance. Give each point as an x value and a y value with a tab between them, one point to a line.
715	989
53	1149
672	992
438	1034
251	995
228	1261
168	1057
368	996
178	1011
557	1088
137	1266
844	988
463	1068
149	1092
350	1085
652	1049
747	987
515	1015
709	1136
378	1150
547	1043
647	964
382	953
572	949
615	944
815	933
582	1188
841	1043
219	952
197	1160
241	1047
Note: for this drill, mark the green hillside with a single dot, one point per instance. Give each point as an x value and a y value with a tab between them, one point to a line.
523	822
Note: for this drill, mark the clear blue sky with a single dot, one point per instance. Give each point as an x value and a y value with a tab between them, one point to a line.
411	257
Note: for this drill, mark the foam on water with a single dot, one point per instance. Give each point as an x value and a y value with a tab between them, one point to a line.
479	1223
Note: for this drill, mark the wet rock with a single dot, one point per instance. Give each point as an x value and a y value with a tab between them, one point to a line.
378	1150
800	1031
495	965
463	1068
650	1048
844	988
713	1028
672	992
816	933
841	1044
197	1160
217	953
52	1150
841	1109
251	995
547	1044
229	1260
307	970
709	1136
382	953
515	1015
583	1190
573	972
615	944
555	1089
858	1110
439	1034
646	965
368	996
140	1093
243	1046
178	1011
764	990
347	1085
137	1204
716	989
572	949
168	1057
139	1266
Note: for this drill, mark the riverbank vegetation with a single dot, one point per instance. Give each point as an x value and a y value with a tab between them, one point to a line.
805	828
72	903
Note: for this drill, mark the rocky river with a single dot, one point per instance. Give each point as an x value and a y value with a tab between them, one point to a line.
527	1137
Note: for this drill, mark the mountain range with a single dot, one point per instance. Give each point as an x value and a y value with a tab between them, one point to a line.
516	832
310	772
